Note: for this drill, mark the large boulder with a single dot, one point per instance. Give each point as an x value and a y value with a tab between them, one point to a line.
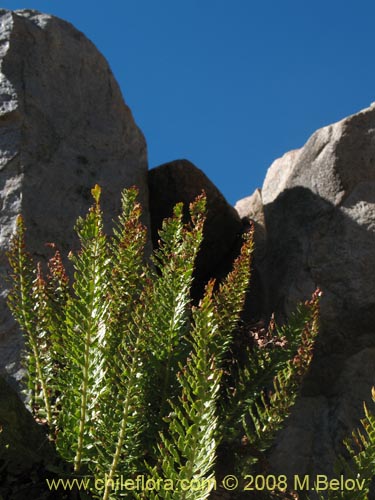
181	181
64	128
321	221
319	212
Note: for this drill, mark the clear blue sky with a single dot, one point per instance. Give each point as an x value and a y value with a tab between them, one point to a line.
231	84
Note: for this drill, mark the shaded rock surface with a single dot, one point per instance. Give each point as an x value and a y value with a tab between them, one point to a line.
181	181
63	128
25	452
251	209
319	215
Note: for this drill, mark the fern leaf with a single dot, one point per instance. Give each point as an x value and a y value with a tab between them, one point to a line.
86	318
165	312
188	450
230	298
269	408
118	428
27	301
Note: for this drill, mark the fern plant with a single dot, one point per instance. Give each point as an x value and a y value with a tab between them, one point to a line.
188	451
261	383
28	303
268	408
128	376
361	447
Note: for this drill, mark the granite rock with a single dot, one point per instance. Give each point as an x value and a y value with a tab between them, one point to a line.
63	128
319	211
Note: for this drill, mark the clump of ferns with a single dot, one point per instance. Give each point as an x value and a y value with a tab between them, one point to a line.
128	375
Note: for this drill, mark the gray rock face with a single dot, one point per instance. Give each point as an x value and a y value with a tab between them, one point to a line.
323	216
278	175
333	162
251	208
63	128
179	181
319	210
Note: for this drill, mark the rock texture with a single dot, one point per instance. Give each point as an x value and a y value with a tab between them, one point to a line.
251	209
24	450
278	175
319	212
63	127
179	181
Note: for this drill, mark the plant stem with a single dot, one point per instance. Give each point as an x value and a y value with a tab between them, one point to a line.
44	386
123	425
82	419
85	380
171	340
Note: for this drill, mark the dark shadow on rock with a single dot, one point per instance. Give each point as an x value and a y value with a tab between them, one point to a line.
181	181
310	242
26	455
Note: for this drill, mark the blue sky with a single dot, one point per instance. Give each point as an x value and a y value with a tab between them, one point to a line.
231	84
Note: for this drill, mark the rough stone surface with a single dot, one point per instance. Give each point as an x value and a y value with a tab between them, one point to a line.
24	450
278	175
251	209
320	220
63	128
313	439
179	181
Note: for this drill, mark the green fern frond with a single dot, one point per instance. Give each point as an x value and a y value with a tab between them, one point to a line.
127	263
118	428
362	444
188	450
282	344
28	302
229	301
83	337
165	312
289	355
269	408
230	297
58	292
133	378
